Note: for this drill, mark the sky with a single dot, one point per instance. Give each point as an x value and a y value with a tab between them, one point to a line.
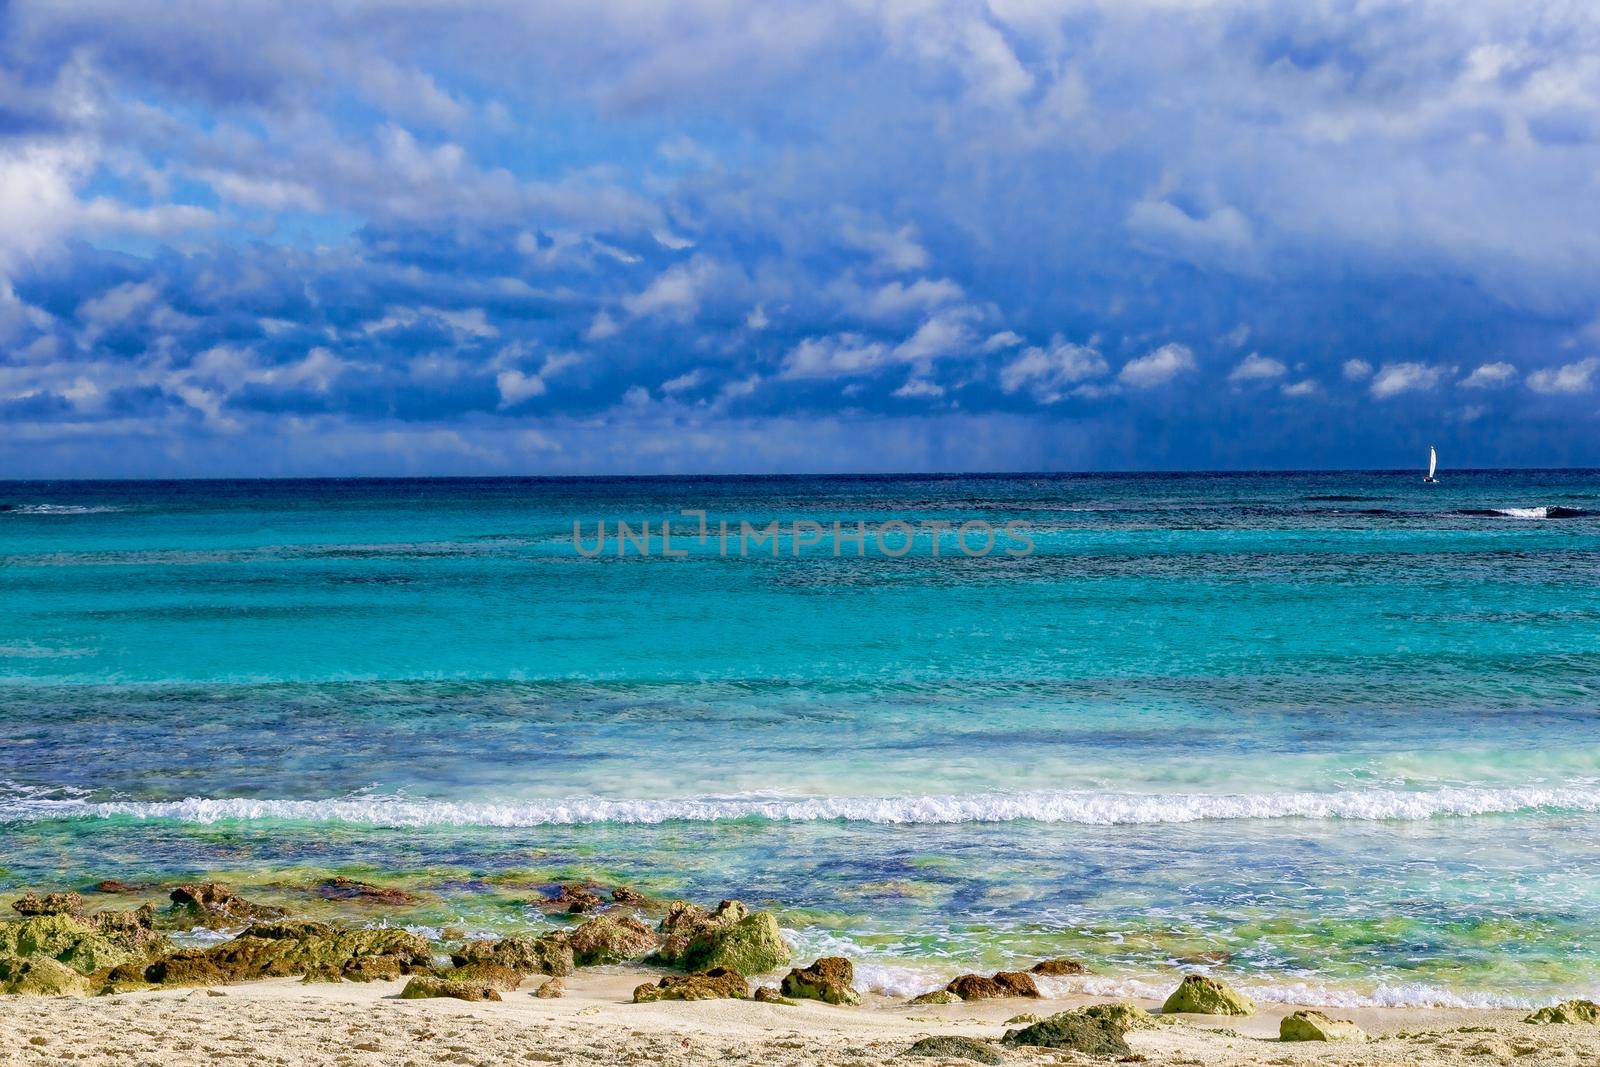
707	236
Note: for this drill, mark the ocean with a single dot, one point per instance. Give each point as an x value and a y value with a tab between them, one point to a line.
1332	736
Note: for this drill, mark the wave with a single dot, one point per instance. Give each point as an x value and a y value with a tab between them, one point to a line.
58	509
1081	808
1550	511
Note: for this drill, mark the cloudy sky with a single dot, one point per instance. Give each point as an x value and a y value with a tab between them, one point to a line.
844	235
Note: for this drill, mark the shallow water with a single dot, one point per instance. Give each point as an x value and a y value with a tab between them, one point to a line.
1331	729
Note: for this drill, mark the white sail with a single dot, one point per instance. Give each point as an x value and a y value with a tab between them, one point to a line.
1433	462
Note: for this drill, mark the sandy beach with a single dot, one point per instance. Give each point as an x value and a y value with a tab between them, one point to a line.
283	1021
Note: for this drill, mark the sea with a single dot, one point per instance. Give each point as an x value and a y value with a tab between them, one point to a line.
1334	737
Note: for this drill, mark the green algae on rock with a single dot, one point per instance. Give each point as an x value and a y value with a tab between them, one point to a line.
85	944
611	939
1097	1033
730	937
1200	995
426	987
1568	1012
1057	968
718	983
936	996
276	950
830	979
551	954
956	1048
483	972
1312	1025
42	977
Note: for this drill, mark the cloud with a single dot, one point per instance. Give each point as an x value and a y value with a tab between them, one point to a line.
1355	370
675	292
1257	368
684	383
1490	376
516	386
1049	374
1222	238
836	356
1305	387
1393	379
1156	368
919	389
1568	378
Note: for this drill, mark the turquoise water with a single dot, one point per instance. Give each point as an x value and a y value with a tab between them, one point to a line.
1334	735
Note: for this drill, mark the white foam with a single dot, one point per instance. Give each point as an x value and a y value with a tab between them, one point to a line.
63	509
1083	808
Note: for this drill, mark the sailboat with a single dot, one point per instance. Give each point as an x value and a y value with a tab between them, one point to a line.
1433	464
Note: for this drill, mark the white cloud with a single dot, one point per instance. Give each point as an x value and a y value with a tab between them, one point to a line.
919	389
1570	378
945	334
1000	341
516	386
1393	379
1157	368
757	319
1050	373
1306	387
835	356
675	292
896	298
1490	376
1356	370
1224	238
601	327
894	250
684	382
1257	368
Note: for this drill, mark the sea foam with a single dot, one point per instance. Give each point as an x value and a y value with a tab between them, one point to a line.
1083	808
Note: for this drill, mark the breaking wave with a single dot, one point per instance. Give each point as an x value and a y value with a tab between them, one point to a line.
1083	808
58	509
1551	511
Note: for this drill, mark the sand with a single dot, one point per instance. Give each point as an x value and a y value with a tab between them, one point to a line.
286	1022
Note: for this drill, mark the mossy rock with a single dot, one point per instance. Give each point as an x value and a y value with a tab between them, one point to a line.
1082	1030
611	939
76	942
1310	1025
831	980
42	977
424	987
718	983
752	945
1568	1012
946	1047
937	996
482	972
1200	995
283	949
551	954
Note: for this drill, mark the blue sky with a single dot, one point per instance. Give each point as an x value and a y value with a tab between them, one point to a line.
711	236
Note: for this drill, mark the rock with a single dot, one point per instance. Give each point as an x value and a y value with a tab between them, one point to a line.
49	904
956	1048
348	889
216	902
606	939
574	899
1199	995
1003	984
111	885
79	943
276	950
624	895
1058	968
550	954
42	977
769	995
830	979
937	996
485	973
552	988
424	987
731	937
719	983
1083	1030
1567	1012
1025	1018
1310	1025
1127	1016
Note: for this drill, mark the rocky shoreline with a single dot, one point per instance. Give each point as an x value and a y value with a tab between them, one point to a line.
59	945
